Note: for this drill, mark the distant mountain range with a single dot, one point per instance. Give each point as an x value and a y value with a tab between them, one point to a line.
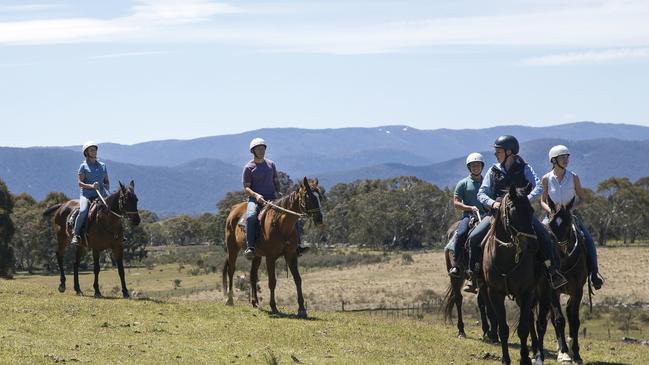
190	176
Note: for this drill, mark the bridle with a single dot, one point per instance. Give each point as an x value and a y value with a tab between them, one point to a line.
514	233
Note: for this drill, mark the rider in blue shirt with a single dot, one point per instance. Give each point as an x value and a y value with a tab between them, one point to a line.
465	198
92	176
500	177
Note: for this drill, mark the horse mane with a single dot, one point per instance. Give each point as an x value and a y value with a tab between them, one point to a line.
287	200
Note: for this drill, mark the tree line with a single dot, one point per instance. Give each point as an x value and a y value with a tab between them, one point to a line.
403	212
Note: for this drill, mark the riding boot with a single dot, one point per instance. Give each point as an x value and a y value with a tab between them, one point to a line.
251	237
75	240
473	282
595	278
302	249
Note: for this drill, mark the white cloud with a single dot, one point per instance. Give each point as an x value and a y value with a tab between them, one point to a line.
23	8
581	24
128	54
597	56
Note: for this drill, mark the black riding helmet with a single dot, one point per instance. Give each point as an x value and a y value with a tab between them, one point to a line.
507	143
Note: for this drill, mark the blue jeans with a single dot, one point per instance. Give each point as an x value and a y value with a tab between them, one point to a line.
459	238
84	204
252	210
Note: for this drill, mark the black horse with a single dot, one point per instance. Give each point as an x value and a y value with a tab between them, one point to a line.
510	267
572	252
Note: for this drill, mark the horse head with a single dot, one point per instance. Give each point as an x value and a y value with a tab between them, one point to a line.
310	198
561	220
128	202
516	214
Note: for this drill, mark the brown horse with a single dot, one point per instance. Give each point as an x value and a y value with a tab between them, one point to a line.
453	297
104	231
511	268
571	251
278	237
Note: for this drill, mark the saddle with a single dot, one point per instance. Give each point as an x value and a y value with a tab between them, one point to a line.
260	218
95	207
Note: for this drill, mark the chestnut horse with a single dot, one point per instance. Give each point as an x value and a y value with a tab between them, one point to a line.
278	237
572	253
104	232
453	297
511	268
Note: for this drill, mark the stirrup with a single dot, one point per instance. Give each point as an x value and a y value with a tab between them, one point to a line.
302	249
557	280
454	272
470	288
249	253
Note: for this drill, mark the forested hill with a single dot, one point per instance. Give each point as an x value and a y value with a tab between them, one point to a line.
593	160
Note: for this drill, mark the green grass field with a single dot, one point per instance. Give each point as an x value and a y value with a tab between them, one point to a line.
42	326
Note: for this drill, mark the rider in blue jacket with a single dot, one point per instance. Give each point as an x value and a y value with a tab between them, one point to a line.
497	181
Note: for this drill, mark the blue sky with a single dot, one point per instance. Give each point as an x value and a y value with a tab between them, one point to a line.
133	71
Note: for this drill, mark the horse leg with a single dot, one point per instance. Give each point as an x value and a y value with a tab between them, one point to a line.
292	265
491	316
542	323
77	261
457	296
59	260
95	263
537	348
254	272
272	282
228	273
497	300
523	330
122	279
574	321
484	321
559	322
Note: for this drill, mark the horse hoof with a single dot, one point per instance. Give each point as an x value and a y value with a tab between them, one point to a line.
254	303
461	335
61	288
564	357
579	362
126	295
301	314
230	302
537	362
98	295
79	293
273	310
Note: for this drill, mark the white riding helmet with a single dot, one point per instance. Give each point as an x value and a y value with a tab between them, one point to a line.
474	157
88	145
257	142
557	151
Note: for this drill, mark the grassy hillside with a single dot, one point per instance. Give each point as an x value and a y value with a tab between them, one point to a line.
43	326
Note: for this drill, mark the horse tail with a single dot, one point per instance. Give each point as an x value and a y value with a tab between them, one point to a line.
448	302
225	279
49	210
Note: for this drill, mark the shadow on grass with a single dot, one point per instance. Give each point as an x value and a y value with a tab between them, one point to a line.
288	315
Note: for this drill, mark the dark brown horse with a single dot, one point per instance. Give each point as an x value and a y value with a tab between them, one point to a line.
453	297
104	232
572	253
511	268
278	237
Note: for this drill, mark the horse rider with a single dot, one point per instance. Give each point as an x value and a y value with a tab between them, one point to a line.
562	186
92	177
500	177
465	198
260	183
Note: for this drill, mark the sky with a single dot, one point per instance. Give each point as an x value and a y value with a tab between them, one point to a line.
133	71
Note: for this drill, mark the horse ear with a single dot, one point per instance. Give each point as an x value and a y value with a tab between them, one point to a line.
132	185
305	183
528	188
315	181
121	186
571	203
551	204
